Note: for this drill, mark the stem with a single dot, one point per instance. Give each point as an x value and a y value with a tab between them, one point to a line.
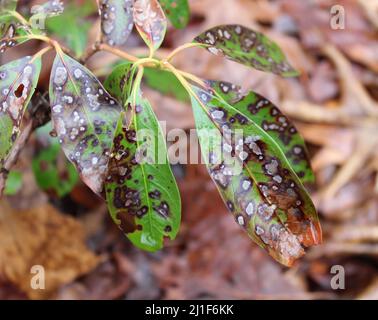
90	52
184	83
117	52
181	48
148	62
40	53
134	92
19	17
192	77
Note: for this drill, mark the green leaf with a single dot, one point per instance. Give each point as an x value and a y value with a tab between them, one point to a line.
141	192
84	117
247	47
116	21
13	183
255	179
53	172
150	22
177	11
268	117
75	33
18	80
118	83
166	83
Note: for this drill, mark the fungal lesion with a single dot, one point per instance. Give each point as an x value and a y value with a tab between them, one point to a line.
111	12
150	20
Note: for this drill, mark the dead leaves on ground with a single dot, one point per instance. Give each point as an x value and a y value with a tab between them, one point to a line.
42	236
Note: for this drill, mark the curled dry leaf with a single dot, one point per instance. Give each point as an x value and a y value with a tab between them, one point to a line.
116	21
142	195
255	179
84	117
18	80
150	21
42	236
248	47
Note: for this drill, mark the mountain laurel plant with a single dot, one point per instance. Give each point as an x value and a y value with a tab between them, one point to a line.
260	173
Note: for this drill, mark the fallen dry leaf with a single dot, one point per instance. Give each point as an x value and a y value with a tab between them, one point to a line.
42	236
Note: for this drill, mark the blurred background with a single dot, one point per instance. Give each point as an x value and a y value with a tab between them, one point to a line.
334	106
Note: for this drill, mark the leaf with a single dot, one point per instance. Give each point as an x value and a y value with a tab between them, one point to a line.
18	80
141	192
12	32
53	172
177	11
268	117
13	36
84	117
116	21
254	179
47	9
118	83
247	47
150	22
75	33
42	236
14	183
166	83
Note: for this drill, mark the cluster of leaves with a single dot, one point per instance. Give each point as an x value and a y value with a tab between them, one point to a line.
259	174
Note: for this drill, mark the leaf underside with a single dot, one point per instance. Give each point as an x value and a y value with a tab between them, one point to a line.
116	21
18	80
141	192
255	179
150	22
177	11
247	47
268	117
84	117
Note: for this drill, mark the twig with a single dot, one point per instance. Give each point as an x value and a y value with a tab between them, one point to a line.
13	156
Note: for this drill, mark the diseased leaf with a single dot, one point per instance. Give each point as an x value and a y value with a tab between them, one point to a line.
118	83
18	80
254	179
166	83
14	183
142	195
177	11
84	117
247	47
268	117
12	32
47	9
53	172
150	22
13	36
75	33
116	21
